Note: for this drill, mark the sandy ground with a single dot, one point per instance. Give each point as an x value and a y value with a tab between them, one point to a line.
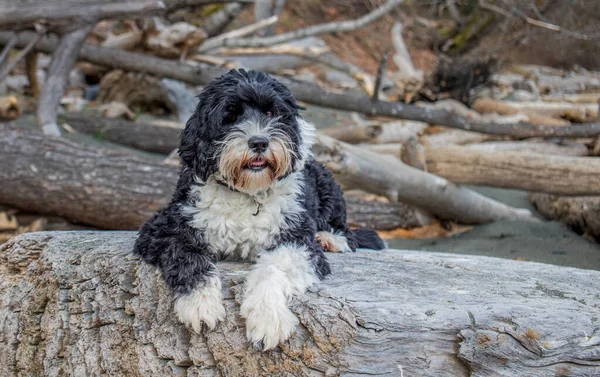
545	242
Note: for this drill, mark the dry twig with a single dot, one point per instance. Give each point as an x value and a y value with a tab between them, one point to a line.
332	27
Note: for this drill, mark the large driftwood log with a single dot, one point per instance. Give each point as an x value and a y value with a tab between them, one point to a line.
78	303
54	175
19	13
578	212
387	176
307	92
114	190
532	172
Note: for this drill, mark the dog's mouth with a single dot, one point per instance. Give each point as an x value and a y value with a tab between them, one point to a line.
256	164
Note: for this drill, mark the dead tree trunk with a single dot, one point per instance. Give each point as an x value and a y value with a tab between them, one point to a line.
114	190
387	176
78	303
525	171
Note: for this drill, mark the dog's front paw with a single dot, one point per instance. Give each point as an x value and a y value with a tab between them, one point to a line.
334	243
268	322
202	305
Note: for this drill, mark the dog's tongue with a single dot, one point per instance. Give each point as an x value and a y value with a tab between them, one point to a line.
258	162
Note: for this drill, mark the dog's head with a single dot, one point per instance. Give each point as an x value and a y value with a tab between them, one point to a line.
246	131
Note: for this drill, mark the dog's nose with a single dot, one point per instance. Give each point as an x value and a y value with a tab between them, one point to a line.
258	144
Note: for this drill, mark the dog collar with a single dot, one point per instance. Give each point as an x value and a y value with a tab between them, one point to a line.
258	199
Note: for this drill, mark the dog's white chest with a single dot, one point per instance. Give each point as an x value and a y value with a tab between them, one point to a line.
235	223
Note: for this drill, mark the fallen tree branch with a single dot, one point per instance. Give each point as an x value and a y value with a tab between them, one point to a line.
218	41
385	175
7	47
5	69
363	79
538	23
310	93
525	171
332	27
16	13
63	60
400	299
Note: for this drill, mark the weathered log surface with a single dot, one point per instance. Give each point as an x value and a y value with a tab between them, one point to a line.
78	303
579	212
526	171
114	190
74	180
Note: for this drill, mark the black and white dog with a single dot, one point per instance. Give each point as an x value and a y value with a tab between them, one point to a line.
250	189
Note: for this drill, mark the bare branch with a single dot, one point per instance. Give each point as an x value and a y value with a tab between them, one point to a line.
219	40
534	22
6	69
362	78
332	27
63	60
380	75
7	47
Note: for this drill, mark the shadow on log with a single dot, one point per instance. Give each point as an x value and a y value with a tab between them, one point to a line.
78	303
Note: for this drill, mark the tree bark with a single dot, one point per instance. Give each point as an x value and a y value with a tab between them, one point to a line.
309	93
54	175
114	190
78	303
525	171
387	176
578	212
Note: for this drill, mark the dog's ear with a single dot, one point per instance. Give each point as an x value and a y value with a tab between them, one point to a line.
194	152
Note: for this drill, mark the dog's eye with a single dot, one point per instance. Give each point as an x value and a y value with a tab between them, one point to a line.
231	115
269	114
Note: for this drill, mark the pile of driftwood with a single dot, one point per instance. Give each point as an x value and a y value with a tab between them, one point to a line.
534	129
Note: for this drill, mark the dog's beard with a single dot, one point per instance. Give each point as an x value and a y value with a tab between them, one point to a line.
249	172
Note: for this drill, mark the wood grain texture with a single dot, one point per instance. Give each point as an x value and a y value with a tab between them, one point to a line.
78	303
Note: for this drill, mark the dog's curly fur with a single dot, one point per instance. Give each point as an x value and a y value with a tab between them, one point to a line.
250	189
